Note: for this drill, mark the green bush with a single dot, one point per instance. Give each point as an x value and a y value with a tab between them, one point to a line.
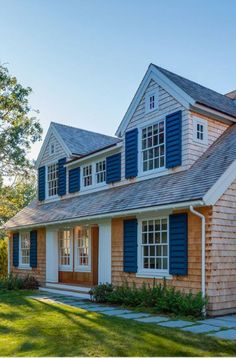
3	257
157	297
14	282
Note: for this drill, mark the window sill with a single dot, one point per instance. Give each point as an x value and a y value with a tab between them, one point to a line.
160	275
24	267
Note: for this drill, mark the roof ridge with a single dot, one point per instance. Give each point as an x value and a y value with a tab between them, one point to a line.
194	82
84	130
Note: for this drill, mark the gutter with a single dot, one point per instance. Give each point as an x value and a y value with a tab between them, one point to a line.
203	237
180	205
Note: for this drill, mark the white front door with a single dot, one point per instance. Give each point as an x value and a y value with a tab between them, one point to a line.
104	256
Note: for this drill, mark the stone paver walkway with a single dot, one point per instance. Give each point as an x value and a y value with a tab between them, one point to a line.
220	327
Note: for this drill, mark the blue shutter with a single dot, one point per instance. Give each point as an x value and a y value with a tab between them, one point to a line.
113	168
33	248
130	245
174	139
178	242
41	183
15	249
61	177
74	180
131	153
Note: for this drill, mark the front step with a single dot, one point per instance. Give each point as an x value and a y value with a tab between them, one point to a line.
67	290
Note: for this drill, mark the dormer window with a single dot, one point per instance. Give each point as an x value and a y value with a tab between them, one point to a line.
153	146
52	148
200	130
87	175
52	183
151	101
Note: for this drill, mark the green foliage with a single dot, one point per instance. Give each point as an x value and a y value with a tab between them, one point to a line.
14	282
18	128
100	292
157	297
3	257
14	197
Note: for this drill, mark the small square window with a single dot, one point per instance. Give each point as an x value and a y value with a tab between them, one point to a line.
151	101
200	131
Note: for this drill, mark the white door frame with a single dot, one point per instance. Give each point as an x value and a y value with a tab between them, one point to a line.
104	252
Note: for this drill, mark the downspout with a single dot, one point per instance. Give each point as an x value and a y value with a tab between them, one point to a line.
203	234
8	256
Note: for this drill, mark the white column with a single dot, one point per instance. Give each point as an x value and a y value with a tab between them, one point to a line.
104	252
51	255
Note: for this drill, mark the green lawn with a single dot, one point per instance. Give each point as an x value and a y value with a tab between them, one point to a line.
31	328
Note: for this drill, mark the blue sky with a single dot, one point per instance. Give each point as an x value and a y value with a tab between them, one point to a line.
85	59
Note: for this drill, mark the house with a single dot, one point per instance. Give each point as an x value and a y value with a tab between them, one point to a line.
157	200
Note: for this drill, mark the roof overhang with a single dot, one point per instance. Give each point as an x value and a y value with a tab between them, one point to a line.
125	213
109	149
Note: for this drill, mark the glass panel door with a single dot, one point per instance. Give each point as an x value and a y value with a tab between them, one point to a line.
66	250
83	248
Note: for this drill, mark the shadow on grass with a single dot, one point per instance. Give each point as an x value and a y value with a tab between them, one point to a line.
38	328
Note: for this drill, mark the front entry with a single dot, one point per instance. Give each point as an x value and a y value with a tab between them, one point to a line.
78	255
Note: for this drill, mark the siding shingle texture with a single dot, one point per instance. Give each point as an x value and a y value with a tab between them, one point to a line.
183	186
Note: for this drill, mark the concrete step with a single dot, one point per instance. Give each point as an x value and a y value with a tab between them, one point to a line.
63	286
66	292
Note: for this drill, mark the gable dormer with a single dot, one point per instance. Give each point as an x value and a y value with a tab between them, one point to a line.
168	125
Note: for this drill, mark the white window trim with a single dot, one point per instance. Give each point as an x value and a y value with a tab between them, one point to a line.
82	268
141	272
21	265
67	268
147	101
140	161
94	177
47	197
204	123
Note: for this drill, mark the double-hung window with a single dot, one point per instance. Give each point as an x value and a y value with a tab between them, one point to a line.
101	172
87	175
24	249
83	249
154	245
52	179
153	146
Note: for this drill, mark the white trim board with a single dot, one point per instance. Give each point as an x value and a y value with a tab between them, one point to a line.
154	74
51	130
221	185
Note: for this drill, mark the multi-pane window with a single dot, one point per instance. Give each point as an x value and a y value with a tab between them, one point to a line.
83	247
25	248
101	171
154	244
65	244
153	146
53	179
200	128
87	175
200	131
152	102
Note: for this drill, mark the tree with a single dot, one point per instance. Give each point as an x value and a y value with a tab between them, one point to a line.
18	128
15	197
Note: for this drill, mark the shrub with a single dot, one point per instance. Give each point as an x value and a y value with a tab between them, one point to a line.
30	283
3	257
14	282
156	297
101	292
